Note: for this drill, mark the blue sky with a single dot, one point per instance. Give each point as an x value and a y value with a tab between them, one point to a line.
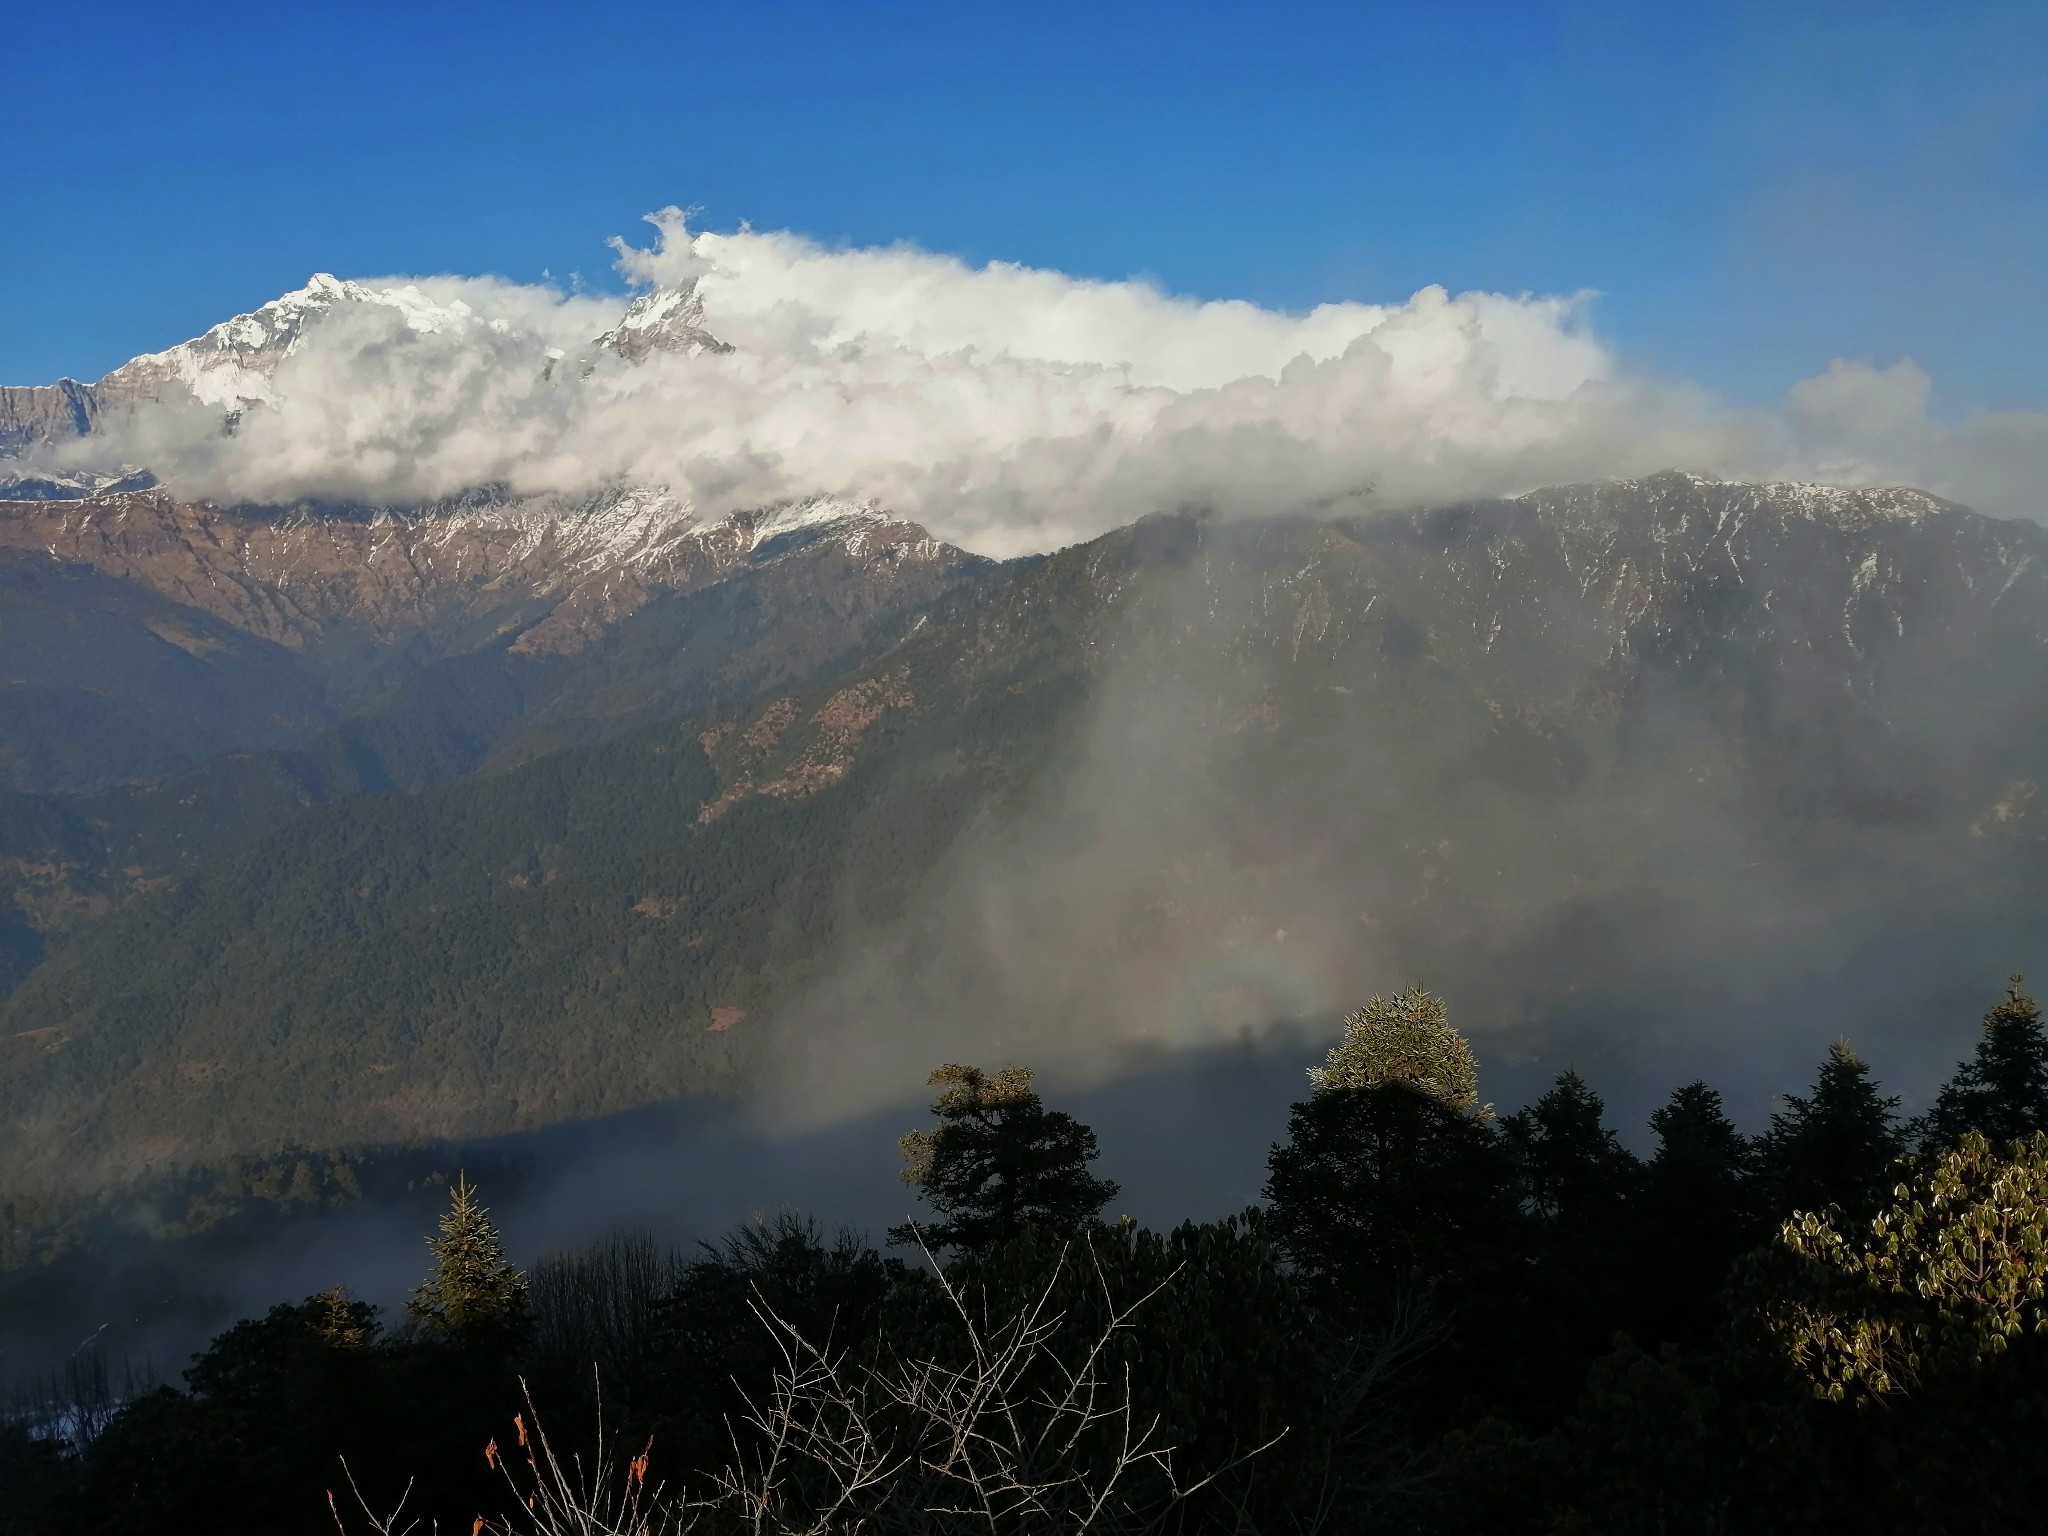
1752	190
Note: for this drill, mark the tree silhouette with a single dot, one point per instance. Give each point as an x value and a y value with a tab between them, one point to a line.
1576	1174
1699	1213
1380	1190
2001	1092
1390	1177
999	1161
1835	1146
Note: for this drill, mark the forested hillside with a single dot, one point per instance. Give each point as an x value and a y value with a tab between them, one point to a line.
1579	748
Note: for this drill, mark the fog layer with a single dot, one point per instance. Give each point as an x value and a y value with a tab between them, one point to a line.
1011	409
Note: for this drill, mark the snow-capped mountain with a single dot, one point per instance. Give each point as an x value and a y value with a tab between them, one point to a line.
233	364
665	320
1725	733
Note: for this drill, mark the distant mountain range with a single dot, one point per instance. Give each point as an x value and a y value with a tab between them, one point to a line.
231	367
340	824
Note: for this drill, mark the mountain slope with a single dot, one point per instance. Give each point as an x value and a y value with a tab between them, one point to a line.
102	681
357	600
809	603
1621	757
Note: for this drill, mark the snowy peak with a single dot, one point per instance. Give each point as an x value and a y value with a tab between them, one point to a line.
821	516
665	320
233	364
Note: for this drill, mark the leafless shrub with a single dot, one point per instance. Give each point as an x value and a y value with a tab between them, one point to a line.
597	1305
1019	1433
979	1443
76	1401
550	1494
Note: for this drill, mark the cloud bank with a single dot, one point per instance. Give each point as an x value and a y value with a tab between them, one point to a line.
1008	408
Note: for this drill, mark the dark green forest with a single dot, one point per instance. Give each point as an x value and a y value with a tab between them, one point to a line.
1441	1318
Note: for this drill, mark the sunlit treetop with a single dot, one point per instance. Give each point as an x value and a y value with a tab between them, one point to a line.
1404	1040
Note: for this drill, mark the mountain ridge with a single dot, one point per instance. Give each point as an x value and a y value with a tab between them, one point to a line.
1507	740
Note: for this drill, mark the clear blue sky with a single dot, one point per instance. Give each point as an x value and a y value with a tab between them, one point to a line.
1752	189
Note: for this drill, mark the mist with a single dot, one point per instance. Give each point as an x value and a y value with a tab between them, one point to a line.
1010	409
1293	786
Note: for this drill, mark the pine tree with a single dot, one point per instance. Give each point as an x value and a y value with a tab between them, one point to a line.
1406	1038
999	1161
1835	1147
1698	1214
1577	1174
1382	1190
1391	1174
1702	1162
2001	1092
473	1289
1576	1182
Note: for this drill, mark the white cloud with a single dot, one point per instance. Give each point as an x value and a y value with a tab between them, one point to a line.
1012	408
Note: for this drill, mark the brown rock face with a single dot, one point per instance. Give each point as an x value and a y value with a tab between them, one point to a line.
46	413
559	570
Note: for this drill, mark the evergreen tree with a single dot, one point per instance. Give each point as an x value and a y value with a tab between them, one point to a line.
999	1161
1390	1176
1836	1146
1576	1182
2001	1092
473	1289
1408	1039
1380	1191
1700	1154
1698	1214
713	1355
1577	1175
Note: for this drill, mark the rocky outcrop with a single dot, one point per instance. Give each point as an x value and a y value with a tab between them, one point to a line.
38	415
666	320
559	570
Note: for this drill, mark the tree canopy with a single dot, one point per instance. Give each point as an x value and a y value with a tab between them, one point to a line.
2001	1092
1405	1039
999	1161
1836	1145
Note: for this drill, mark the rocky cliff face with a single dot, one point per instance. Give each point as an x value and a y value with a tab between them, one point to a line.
557	570
40	414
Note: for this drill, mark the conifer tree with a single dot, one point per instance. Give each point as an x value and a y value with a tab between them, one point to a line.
1408	1039
1702	1161
1576	1172
1835	1146
1699	1214
2001	1092
1576	1182
473	1290
1391	1173
999	1161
